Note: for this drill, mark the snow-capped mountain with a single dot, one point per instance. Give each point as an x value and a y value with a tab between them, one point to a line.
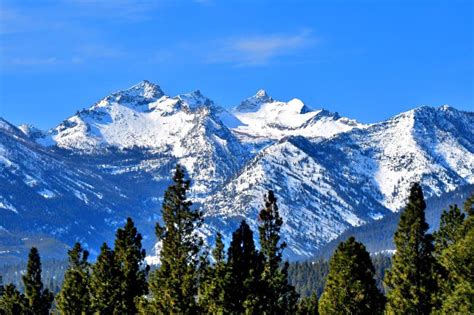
79	180
264	118
186	127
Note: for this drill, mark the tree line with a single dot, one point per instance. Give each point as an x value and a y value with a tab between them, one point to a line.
429	274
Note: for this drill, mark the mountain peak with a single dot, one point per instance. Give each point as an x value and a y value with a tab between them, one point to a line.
254	102
142	91
195	99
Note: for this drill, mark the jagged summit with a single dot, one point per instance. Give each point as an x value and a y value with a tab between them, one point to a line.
263	117
254	102
195	100
142	92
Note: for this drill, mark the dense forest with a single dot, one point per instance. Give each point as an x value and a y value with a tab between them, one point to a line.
427	274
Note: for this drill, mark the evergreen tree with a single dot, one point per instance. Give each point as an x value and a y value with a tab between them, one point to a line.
279	296
245	266
411	280
350	285
308	305
213	288
458	259
12	302
39	300
105	283
174	285
74	297
130	256
449	229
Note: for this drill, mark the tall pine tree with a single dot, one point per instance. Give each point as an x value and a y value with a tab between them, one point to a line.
74	297
279	296
130	259
39	299
213	295
105	283
450	231
174	285
411	280
350	286
245	267
458	259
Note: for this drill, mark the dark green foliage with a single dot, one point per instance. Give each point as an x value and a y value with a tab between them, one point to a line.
39	300
130	256
174	285
469	205
279	297
308	305
308	277
105	283
245	267
12	302
213	295
457	259
449	229
350	286
74	297
411	280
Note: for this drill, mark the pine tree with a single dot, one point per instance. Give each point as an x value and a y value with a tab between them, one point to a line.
130	256
213	287
174	285
449	228
245	266
350	286
74	297
411	280
39	300
12	302
105	283
450	231
458	259
279	296
308	305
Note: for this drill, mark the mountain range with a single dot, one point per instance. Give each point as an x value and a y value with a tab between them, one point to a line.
79	180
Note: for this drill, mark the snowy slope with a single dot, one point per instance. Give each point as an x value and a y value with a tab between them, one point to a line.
187	127
79	180
327	185
264	118
316	203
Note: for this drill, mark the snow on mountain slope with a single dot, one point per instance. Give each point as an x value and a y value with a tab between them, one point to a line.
327	185
329	173
316	203
431	145
43	193
263	117
187	127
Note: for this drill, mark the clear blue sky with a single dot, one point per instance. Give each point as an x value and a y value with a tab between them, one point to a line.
367	60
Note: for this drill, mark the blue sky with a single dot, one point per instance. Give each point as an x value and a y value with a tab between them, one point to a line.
367	60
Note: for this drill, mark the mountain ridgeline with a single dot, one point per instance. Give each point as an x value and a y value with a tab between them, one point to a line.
81	179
